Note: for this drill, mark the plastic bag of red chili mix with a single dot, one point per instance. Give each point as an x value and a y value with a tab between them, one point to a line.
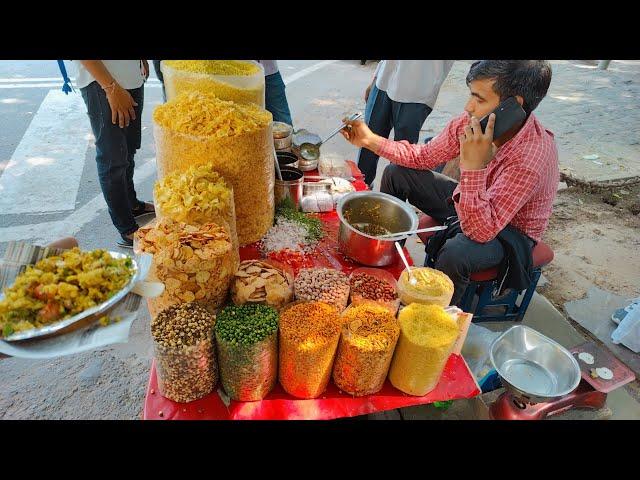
372	284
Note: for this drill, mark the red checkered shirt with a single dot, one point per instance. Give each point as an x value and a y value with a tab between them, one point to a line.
517	187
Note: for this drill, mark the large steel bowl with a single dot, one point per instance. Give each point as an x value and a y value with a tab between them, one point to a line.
373	207
534	367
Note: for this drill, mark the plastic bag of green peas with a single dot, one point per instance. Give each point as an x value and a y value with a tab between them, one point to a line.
247	343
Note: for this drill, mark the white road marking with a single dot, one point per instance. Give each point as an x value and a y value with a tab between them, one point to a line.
303	73
48	231
44	172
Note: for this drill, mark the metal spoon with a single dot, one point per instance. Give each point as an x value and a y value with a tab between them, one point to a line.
311	151
411	232
412	279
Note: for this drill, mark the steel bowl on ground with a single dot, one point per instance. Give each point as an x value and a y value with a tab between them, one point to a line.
533	367
378	208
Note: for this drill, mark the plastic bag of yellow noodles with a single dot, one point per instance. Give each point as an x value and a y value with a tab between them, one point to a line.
427	336
195	263
233	139
236	80
197	196
369	336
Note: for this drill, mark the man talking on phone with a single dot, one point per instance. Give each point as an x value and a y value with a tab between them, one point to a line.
507	182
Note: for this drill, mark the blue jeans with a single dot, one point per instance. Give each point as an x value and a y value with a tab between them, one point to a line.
156	67
383	114
276	98
115	148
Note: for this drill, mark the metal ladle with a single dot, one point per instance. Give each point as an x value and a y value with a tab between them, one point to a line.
412	279
311	151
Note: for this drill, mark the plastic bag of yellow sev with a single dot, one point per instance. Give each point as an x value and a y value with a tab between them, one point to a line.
233	139
236	80
308	339
427	336
368	338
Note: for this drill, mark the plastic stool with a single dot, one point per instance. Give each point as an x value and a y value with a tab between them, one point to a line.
484	284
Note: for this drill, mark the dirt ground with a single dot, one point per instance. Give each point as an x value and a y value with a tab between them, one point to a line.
596	240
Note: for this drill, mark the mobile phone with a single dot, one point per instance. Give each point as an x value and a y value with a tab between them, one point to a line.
508	114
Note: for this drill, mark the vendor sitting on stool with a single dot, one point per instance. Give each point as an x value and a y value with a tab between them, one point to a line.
507	185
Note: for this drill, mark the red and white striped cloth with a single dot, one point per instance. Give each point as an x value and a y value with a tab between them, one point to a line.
517	187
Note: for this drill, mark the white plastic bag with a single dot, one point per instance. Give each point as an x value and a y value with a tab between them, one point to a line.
628	332
476	349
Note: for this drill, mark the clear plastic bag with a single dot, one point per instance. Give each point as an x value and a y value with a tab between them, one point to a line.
305	364
476	349
248	373
365	349
245	161
186	373
333	167
628	332
237	88
416	294
420	355
357	297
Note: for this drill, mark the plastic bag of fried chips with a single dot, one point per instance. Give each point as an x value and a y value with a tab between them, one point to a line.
196	196
195	263
262	281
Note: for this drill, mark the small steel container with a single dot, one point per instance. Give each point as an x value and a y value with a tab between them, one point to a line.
373	207
287	159
282	135
290	186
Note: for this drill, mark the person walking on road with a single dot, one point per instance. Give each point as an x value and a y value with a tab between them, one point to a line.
113	91
400	97
275	95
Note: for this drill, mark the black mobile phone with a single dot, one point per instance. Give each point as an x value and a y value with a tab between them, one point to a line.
508	114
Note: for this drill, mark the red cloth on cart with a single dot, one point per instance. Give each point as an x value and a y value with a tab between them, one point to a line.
456	381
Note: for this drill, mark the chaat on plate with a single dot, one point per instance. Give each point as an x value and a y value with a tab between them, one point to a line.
61	286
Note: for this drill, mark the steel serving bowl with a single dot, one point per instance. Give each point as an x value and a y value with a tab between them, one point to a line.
373	207
532	366
89	315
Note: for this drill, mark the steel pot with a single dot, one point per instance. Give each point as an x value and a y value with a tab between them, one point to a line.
373	207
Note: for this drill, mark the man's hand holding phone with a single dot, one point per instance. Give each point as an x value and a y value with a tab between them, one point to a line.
476	147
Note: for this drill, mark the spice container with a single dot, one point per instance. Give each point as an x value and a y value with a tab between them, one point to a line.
235	80
287	159
309	334
234	139
195	263
372	284
427	337
324	285
247	341
184	352
432	287
290	187
369	336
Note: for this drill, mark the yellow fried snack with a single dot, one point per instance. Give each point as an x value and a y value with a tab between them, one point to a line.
427	336
432	287
197	196
61	286
195	263
237	80
234	140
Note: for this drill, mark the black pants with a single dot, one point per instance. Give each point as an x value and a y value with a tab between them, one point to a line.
156	67
115	149
383	114
431	192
